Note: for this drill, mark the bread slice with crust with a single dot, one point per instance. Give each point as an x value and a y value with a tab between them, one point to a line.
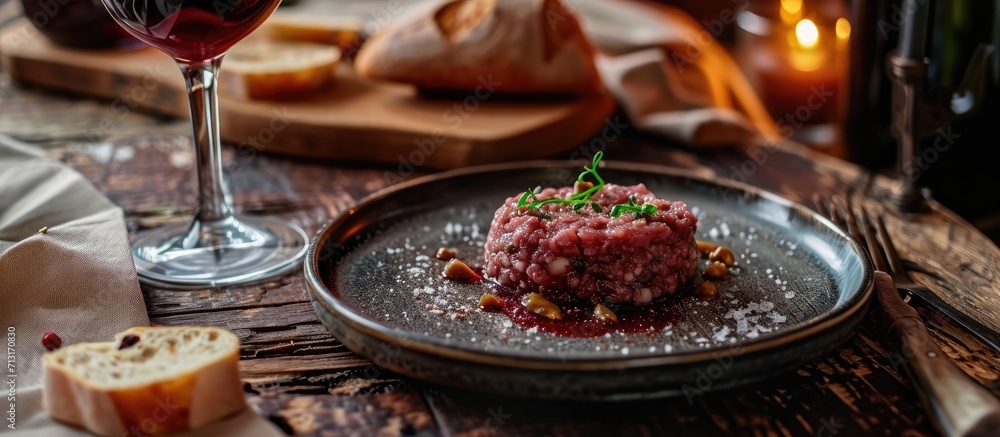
345	34
515	46
277	70
173	379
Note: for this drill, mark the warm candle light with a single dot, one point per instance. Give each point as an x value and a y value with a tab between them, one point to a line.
807	34
843	28
792	6
797	66
791	10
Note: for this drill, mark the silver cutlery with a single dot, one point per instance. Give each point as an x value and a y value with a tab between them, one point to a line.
958	405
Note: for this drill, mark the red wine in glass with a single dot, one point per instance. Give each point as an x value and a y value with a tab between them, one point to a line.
218	247
191	30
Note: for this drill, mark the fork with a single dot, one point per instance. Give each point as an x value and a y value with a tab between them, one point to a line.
893	265
959	406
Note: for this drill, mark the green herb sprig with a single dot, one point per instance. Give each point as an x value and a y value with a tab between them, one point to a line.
582	200
635	208
577	201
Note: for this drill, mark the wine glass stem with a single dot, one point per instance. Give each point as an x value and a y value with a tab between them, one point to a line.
213	194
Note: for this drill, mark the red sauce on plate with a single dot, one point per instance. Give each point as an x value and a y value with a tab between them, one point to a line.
578	319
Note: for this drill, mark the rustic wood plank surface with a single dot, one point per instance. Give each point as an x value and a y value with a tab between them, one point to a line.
305	381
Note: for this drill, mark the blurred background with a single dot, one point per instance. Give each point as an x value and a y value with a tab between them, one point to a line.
790	50
775	43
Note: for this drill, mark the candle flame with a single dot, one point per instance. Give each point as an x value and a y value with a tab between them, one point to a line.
807	34
843	28
791	11
791	6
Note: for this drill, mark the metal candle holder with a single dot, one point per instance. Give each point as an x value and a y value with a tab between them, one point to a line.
909	125
917	115
914	115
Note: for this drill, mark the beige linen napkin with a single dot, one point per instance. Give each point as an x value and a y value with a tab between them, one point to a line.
672	76
76	279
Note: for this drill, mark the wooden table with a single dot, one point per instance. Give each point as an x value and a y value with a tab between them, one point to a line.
305	381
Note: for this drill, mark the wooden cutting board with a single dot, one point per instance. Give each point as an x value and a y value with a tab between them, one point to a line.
355	119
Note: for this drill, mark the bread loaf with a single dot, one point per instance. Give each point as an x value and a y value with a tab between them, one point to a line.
513	46
173	379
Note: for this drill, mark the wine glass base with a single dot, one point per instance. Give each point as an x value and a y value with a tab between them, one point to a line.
236	250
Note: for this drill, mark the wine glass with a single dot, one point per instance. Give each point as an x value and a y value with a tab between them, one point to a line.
218	247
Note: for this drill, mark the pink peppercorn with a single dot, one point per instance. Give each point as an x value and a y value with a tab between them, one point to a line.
51	341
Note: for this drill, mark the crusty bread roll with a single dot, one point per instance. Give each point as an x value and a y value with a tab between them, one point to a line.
174	379
272	70
513	46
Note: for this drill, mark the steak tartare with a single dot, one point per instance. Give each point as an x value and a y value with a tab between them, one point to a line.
567	254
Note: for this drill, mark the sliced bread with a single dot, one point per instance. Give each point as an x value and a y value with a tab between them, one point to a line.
277	70
171	379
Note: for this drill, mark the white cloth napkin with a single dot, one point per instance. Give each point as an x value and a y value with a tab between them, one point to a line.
76	279
672	77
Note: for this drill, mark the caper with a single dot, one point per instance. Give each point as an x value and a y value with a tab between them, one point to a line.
705	248
706	291
716	270
538	304
582	186
723	254
445	254
605	314
458	270
490	302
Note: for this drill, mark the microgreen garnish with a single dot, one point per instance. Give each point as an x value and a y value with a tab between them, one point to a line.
578	201
635	208
582	200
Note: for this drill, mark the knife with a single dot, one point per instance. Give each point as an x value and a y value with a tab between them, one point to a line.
958	405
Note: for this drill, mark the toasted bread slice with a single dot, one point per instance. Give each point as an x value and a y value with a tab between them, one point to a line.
265	70
339	32
173	379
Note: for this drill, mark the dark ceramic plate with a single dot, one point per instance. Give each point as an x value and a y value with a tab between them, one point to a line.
801	291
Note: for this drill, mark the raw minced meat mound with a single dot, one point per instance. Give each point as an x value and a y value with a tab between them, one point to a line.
589	255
